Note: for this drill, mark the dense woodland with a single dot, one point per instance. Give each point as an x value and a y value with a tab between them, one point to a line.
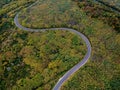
36	61
38	58
107	11
4	2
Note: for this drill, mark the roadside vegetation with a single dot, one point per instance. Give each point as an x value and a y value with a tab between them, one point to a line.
33	60
36	61
102	72
49	15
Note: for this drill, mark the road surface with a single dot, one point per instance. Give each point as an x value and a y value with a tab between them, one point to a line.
77	66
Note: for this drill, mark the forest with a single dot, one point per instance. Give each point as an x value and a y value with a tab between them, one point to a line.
4	2
37	60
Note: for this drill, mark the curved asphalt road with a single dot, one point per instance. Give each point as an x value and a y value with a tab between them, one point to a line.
73	69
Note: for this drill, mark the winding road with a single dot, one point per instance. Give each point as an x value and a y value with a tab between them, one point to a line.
77	66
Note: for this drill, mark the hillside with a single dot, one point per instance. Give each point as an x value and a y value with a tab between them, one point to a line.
37	60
